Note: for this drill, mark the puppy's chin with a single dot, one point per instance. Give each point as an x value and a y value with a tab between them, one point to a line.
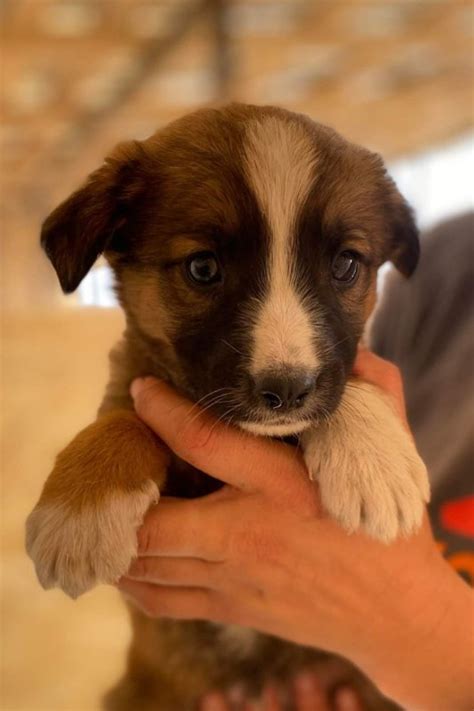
274	430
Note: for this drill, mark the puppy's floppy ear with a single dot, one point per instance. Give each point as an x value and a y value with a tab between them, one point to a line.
404	243
83	226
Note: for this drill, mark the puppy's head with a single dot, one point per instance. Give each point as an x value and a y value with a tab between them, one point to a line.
247	239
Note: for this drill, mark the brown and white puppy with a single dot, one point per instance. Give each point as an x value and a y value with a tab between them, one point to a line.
245	243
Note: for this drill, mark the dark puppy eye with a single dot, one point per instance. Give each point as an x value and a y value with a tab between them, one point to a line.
203	268
345	268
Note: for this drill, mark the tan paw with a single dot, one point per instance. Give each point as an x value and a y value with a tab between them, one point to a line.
75	549
369	472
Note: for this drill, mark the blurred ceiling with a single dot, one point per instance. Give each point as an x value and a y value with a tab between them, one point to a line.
392	75
79	76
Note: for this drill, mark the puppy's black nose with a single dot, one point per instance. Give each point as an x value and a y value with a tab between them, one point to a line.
284	392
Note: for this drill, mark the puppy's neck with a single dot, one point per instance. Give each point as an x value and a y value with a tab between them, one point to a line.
151	356
135	356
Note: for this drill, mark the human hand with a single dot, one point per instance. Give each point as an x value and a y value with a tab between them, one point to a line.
260	552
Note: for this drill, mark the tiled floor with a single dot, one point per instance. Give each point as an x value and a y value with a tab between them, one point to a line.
56	654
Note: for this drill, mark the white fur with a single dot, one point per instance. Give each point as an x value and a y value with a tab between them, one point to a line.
367	466
241	641
77	550
280	162
274	430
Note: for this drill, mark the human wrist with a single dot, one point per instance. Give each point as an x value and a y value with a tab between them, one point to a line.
422	656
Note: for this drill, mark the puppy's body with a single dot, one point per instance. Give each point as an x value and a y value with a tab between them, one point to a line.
171	664
245	243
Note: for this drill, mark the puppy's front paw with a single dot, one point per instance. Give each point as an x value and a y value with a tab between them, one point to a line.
77	548
367	466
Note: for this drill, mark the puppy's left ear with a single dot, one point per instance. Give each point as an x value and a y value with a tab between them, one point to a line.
404	243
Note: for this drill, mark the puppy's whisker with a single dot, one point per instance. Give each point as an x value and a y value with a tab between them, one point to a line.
231	346
330	349
210	394
221	398
217	400
202	399
223	417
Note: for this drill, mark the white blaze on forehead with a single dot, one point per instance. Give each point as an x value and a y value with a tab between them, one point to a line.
280	161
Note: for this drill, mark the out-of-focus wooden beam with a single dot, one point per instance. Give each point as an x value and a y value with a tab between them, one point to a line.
223	62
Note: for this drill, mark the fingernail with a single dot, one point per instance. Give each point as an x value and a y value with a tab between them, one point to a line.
270	696
134	569
305	683
136	387
122	588
140	384
125	583
213	702
236	695
346	700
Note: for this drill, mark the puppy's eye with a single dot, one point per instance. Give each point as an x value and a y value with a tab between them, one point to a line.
345	268
203	268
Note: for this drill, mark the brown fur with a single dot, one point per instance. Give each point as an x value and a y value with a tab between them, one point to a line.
121	452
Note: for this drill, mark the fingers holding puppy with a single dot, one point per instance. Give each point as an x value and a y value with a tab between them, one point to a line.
309	694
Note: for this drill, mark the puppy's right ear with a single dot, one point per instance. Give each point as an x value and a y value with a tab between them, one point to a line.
83	226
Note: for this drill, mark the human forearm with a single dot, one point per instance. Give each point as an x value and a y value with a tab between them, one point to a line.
422	651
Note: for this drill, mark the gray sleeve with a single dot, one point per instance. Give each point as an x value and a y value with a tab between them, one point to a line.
425	326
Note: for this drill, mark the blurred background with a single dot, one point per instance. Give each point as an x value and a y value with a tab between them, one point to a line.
79	76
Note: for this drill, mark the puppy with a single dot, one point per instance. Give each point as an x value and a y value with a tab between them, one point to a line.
245	243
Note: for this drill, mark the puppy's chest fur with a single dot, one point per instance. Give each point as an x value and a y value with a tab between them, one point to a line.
187	482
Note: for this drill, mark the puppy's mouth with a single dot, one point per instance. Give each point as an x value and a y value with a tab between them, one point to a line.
272	412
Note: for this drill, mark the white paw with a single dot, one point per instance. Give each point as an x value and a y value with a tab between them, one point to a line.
369	472
77	549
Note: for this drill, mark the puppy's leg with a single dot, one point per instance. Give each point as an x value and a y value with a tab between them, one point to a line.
83	528
367	466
